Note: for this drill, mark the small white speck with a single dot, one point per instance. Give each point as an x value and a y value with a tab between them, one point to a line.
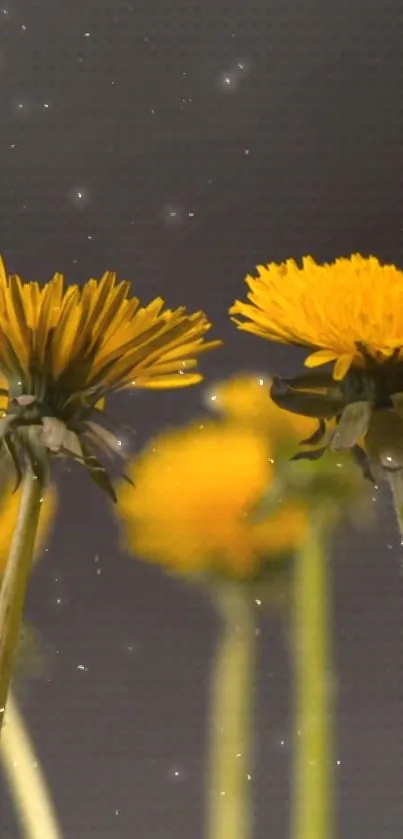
87	34
23	27
247	152
79	196
82	667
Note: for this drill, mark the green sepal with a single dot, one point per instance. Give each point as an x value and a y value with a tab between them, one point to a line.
6	424
362	461
98	473
301	396
12	452
313	454
317	436
353	424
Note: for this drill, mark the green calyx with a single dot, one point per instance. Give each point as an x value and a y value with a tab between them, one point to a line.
352	406
37	430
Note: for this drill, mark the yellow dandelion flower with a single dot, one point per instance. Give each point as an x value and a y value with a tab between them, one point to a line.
349	311
192	507
62	351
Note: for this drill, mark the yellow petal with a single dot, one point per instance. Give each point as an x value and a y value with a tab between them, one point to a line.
164	382
319	357
342	366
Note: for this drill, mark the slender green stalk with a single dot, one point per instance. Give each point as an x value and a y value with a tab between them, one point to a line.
26	781
396	486
313	806
15	580
229	794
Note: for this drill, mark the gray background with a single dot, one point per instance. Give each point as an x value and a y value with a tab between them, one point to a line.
180	144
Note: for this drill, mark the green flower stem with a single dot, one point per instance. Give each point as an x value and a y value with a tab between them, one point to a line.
229	799
396	486
15	580
313	807
27	784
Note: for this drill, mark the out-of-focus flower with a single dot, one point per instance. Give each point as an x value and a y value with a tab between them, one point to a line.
62	351
245	399
193	505
331	479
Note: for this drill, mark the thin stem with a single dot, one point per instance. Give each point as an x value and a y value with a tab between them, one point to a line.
26	781
15	580
313	809
396	485
229	805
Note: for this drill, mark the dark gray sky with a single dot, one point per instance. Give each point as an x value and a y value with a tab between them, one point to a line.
180	144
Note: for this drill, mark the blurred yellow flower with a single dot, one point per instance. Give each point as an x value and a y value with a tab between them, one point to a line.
9	506
192	507
349	312
246	399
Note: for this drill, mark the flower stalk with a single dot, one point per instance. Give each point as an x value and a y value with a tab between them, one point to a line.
312	811
26	781
229	804
396	486
15	579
